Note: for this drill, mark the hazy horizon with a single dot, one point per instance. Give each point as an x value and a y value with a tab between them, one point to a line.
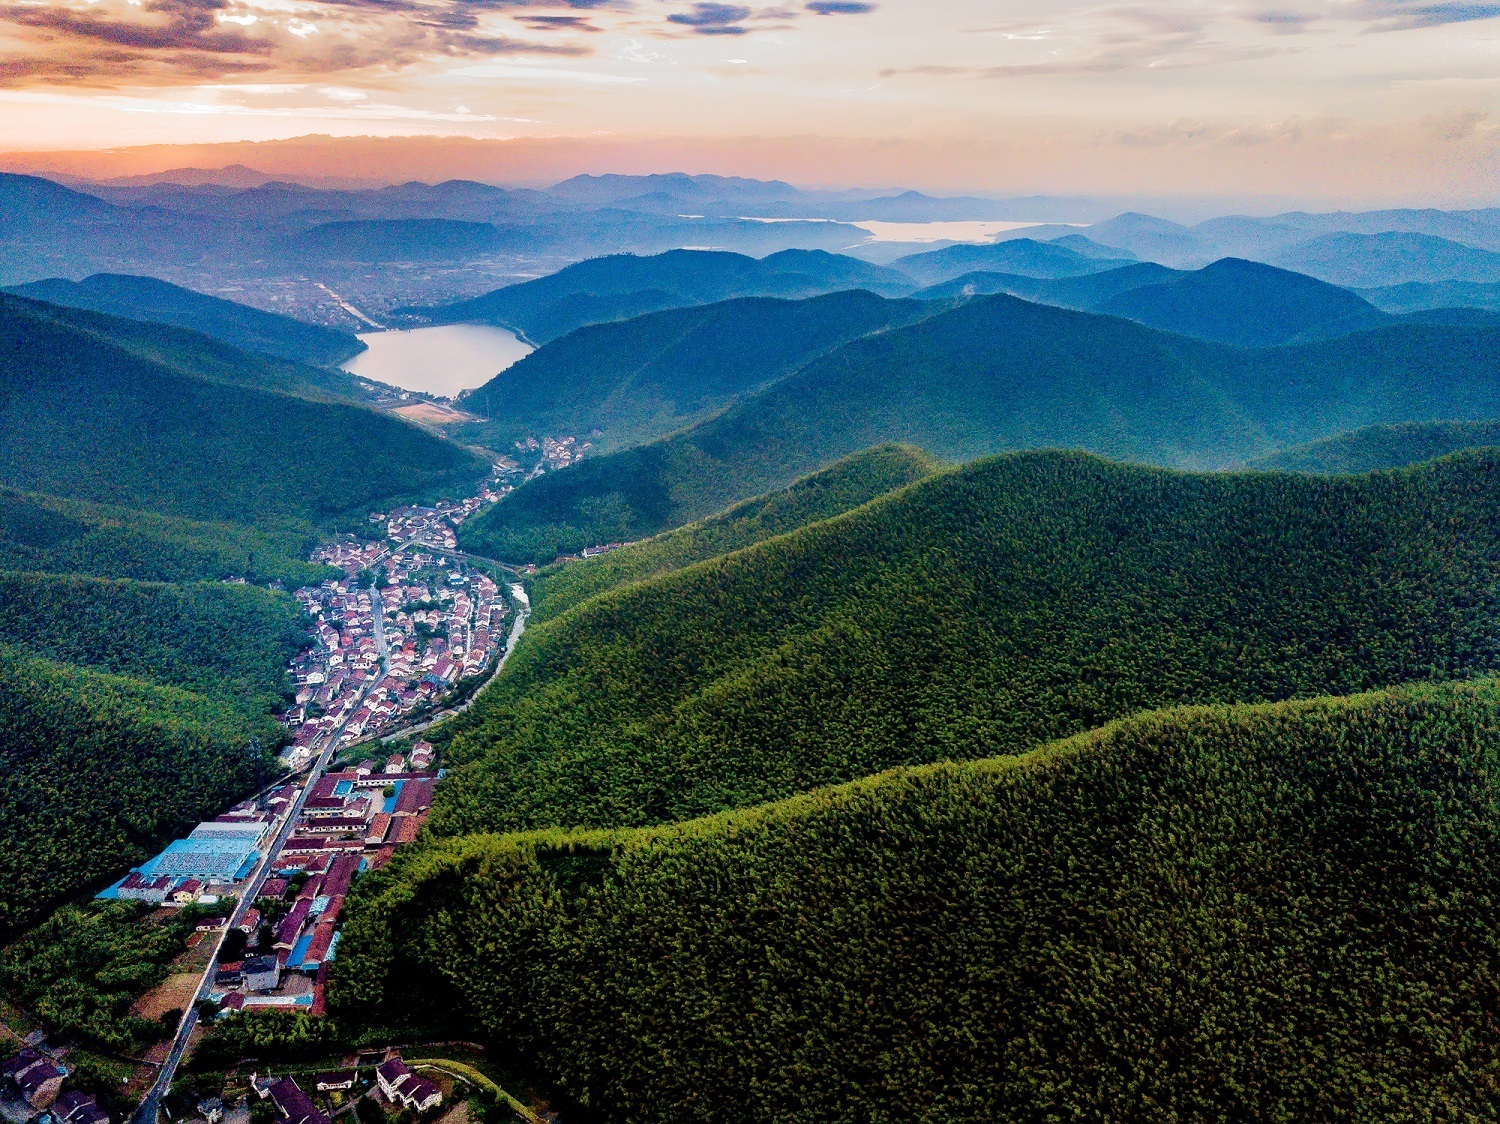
1362	103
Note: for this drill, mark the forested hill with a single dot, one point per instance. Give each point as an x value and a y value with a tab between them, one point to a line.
1384	446
999	373
127	713
622	286
147	298
1248	913
83	417
841	487
194	354
47	534
1248	304
641	379
978	612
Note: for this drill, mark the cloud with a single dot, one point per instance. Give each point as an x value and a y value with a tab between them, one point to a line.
110	42
713	19
1282	23
840	7
558	23
1400	15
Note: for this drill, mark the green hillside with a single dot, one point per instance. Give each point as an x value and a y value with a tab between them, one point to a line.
126	713
601	290
1384	446
853	481
995	374
978	612
644	378
228	640
1247	304
83	417
147	298
1248	913
46	534
97	770
194	353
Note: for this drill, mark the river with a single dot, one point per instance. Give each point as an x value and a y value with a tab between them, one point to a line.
440	361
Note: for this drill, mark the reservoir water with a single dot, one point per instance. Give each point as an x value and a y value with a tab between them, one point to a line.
440	361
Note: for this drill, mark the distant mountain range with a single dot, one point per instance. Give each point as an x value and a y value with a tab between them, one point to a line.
624	286
146	298
998	373
241	222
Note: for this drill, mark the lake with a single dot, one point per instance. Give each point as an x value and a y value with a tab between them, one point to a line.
440	361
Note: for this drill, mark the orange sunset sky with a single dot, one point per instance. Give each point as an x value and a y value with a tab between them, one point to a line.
1350	102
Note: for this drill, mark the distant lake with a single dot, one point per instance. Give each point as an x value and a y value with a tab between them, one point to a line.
441	361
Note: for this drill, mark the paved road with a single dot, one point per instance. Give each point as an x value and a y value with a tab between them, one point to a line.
147	1113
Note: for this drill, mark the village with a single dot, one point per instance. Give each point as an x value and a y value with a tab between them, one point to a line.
408	622
410	626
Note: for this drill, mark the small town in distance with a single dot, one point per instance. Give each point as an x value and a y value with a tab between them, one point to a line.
411	629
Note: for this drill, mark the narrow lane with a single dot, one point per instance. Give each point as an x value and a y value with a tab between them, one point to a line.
148	1111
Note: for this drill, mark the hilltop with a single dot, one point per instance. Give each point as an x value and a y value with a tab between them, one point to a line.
1383	446
643	378
1245	303
146	298
1024	256
980	611
83	417
998	373
1288	903
622	286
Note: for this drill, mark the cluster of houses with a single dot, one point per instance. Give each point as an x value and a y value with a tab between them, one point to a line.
351	821
31	1089
556	452
396	1084
441	622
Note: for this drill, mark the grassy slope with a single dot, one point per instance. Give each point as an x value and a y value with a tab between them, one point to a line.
853	481
1250	913
998	374
641	379
84	418
1384	446
981	611
53	535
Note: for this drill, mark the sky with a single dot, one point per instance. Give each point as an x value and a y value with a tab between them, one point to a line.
1348	101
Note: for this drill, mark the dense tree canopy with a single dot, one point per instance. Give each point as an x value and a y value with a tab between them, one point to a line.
1282	912
981	611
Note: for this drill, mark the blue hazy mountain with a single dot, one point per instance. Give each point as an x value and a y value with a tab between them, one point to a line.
147	298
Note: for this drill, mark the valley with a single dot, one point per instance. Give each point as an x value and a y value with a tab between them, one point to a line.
692	667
